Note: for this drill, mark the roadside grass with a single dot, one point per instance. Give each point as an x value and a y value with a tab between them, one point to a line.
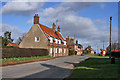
96	67
23	59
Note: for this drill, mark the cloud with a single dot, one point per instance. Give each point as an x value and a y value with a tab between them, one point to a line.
100	21
29	22
15	31
25	8
84	28
71	24
104	28
102	6
77	6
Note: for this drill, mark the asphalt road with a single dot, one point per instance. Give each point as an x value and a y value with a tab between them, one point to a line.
56	68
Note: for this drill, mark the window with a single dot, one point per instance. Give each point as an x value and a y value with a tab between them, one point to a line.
56	41
37	39
55	50
64	50
59	50
51	50
59	41
51	40
64	42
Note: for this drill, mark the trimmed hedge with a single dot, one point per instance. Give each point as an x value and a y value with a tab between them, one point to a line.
115	54
23	52
71	52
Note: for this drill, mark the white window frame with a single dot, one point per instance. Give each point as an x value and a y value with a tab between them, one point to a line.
55	50
51	40
36	39
51	50
59	50
64	42
64	50
56	41
59	41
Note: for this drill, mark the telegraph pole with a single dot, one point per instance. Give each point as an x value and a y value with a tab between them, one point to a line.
110	33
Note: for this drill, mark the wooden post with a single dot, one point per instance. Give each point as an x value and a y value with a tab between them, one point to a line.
110	34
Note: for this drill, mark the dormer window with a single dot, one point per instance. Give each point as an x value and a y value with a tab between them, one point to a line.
56	41
51	40
37	39
64	42
59	41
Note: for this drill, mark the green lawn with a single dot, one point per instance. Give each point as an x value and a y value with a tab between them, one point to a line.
9	60
96	67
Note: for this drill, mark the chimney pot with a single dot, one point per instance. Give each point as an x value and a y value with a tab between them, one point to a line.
58	28
76	42
36	19
67	38
53	26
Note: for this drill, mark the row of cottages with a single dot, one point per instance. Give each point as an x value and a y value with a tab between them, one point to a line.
74	46
41	36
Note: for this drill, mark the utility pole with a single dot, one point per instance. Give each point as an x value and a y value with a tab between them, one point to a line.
110	34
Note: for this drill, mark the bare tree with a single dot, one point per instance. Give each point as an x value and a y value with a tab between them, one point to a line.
19	40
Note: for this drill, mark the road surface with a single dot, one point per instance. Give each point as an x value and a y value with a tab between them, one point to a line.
56	68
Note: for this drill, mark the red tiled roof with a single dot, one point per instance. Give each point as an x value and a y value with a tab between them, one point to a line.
116	50
102	50
16	45
60	36
50	32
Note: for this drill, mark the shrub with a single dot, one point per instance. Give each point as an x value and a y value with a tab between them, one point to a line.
23	52
71	52
11	47
115	54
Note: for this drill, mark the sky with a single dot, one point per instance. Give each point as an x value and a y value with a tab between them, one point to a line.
88	21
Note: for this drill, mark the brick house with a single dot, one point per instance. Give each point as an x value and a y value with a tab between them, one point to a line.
103	52
78	48
41	36
89	50
70	43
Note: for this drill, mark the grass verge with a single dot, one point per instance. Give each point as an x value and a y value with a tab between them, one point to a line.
96	67
13	61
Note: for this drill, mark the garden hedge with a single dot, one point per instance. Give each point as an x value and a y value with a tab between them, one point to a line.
115	54
23	52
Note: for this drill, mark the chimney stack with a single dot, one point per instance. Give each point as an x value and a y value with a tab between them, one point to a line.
72	39
67	38
76	42
53	26
58	28
36	19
